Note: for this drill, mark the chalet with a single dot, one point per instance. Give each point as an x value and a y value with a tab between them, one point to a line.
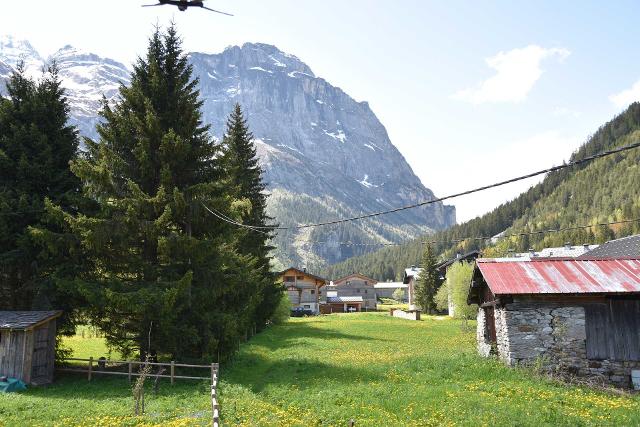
354	292
582	315
388	290
303	288
27	345
409	278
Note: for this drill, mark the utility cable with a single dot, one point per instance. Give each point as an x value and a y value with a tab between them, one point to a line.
463	193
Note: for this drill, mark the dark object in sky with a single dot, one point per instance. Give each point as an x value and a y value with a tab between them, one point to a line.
184	4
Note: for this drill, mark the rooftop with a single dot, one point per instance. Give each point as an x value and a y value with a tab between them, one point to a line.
560	276
390	285
25	319
628	247
411	272
344	299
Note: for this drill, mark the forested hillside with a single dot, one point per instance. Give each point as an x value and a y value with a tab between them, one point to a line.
604	190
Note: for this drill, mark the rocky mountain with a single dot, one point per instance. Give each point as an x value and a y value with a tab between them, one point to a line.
325	155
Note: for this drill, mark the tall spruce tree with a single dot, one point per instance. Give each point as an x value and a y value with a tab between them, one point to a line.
241	164
156	262
428	282
36	146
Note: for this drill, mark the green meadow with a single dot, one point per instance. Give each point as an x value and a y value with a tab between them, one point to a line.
328	370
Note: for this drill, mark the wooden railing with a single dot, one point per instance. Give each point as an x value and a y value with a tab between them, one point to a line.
106	367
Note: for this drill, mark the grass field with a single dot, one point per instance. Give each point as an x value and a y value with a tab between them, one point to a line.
327	370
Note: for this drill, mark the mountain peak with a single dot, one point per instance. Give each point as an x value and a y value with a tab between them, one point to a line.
14	50
262	57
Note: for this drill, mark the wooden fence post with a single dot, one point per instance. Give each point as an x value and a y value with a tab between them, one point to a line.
214	407
173	370
130	370
90	367
213	369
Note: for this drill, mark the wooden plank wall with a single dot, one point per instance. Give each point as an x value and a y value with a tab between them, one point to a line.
613	330
11	353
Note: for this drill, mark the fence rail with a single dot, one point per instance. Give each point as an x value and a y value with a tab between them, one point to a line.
102	365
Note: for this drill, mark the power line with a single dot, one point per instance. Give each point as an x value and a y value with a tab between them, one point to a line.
532	233
480	238
225	218
463	193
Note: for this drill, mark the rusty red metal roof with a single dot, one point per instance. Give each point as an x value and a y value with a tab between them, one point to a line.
561	276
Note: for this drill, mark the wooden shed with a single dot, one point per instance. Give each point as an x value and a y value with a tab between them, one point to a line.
27	345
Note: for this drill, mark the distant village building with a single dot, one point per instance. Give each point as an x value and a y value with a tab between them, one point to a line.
354	292
582	316
28	345
410	278
303	288
388	290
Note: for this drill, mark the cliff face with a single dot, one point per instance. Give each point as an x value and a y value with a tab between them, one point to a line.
324	154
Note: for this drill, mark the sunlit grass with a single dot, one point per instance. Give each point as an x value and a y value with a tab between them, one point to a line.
327	370
380	371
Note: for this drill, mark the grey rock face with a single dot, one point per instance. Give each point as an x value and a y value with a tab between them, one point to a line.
324	154
88	78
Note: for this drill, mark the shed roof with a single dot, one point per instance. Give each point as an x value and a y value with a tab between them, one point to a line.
561	276
390	285
26	319
624	247
344	299
411	272
459	257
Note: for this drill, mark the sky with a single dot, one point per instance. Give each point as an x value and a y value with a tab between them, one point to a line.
470	92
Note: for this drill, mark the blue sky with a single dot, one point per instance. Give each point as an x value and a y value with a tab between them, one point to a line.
470	92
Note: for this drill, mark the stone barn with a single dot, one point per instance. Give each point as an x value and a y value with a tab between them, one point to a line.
580	316
28	345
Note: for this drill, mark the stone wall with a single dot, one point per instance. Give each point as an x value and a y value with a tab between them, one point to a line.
552	335
482	336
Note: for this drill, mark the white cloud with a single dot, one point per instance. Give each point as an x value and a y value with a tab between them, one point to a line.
516	72
499	162
626	97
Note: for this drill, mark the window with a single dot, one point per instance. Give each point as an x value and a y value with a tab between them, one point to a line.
358	290
348	282
365	291
312	291
289	279
366	283
300	277
307	306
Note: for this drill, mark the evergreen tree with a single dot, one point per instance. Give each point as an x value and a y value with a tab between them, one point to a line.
156	263
36	146
241	165
428	282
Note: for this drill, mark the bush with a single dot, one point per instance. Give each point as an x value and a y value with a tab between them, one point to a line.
283	311
398	295
458	281
442	297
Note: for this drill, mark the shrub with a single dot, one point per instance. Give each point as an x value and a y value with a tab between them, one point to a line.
283	311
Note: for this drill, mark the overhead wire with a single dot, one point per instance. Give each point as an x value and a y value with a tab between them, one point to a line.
455	195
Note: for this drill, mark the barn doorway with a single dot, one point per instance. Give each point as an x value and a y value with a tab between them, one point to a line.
40	365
